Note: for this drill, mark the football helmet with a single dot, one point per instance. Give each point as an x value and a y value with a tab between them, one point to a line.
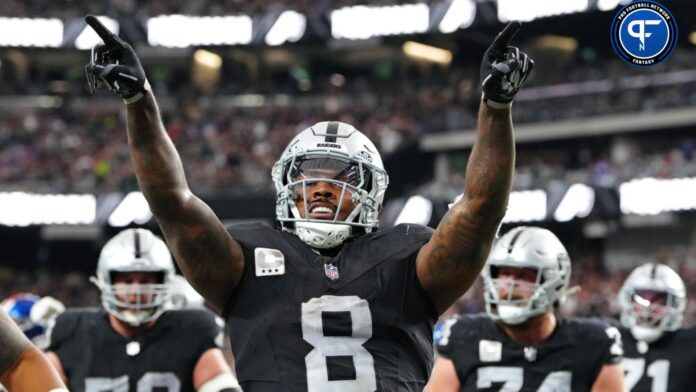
134	250
653	301
336	153
32	314
526	247
184	296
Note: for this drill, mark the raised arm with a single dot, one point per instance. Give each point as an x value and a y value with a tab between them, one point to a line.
209	258
450	262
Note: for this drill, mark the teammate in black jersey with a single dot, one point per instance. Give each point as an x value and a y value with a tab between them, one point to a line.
134	343
326	302
521	345
659	355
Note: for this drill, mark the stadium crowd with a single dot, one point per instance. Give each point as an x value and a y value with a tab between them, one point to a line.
81	147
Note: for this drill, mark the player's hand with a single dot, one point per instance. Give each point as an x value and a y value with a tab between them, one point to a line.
504	69
45	309
114	65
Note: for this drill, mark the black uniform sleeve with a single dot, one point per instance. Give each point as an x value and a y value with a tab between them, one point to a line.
203	325
447	333
60	329
249	236
608	338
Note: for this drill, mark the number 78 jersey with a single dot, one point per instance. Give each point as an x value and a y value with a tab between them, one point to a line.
359	321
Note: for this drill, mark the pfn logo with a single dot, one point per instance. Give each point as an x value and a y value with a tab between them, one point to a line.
644	33
640	33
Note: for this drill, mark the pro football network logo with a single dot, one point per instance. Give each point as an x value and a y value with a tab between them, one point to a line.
644	33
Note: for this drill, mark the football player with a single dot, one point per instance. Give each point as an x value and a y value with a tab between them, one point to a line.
521	345
659	355
133	344
31	313
325	302
22	365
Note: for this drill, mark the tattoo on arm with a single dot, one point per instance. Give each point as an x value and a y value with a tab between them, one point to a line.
460	245
209	258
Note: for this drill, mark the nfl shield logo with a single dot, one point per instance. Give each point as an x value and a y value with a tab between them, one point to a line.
331	271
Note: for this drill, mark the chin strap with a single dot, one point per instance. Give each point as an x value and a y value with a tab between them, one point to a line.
646	334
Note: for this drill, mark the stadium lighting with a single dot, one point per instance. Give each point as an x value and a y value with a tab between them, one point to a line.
532	9
133	208
24	209
181	31
38	32
207	58
417	210
526	206
88	38
576	203
426	52
523	206
459	15
337	80
650	196
289	27
607	5
362	22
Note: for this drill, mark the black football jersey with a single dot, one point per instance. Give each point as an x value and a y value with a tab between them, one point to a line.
359	321
96	358
668	364
486	359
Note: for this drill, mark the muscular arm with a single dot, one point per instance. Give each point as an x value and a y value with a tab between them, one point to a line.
450	262
212	369
209	258
610	379
22	366
444	377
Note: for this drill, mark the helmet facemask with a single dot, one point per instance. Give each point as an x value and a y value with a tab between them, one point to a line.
653	301
134	303
354	181
522	299
650	312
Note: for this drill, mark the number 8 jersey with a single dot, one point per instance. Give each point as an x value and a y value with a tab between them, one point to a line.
358	321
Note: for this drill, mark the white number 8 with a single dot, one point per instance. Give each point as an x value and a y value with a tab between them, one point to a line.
327	346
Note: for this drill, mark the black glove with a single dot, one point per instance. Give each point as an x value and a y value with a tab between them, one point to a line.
504	69
115	66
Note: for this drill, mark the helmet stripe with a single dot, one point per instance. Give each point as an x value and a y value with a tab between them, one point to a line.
331	129
136	240
514	239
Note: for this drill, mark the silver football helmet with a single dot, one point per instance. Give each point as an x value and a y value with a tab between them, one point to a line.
653	301
336	153
526	247
134	250
184	296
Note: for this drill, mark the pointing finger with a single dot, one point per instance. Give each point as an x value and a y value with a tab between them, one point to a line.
505	36
107	36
